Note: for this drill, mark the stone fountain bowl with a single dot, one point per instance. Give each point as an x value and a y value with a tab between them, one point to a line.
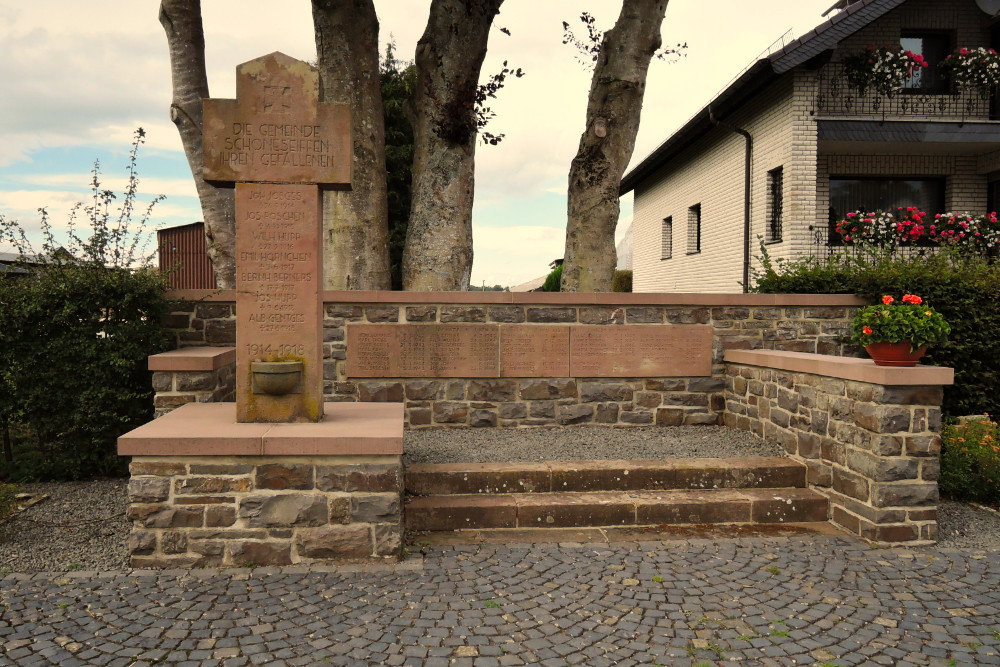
276	378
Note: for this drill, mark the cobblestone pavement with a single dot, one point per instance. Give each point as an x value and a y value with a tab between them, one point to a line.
816	600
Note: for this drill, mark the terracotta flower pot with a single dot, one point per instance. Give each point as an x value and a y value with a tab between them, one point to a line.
895	354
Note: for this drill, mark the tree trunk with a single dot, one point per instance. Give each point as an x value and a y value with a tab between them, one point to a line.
616	92
355	222
8	450
181	20
449	57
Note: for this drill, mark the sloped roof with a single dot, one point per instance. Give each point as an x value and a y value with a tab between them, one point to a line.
530	286
765	71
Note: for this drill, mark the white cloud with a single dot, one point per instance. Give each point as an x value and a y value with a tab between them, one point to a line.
180	187
512	255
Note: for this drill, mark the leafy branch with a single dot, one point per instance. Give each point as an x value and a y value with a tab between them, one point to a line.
588	48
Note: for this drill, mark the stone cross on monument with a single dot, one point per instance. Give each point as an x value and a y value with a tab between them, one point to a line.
278	142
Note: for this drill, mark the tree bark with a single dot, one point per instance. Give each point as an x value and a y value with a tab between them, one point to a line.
8	451
613	109
355	222
449	57
181	20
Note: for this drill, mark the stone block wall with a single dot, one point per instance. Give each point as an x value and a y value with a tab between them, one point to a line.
176	387
232	511
794	323
871	448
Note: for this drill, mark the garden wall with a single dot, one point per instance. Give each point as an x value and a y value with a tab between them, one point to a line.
799	323
869	435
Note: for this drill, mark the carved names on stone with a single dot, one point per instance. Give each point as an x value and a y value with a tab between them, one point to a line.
423	350
534	351
491	350
278	291
641	351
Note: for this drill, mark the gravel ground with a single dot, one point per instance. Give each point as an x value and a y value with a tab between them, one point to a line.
580	442
81	526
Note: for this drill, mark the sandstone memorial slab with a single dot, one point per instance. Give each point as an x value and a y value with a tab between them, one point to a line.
519	350
423	350
278	142
641	351
279	293
277	130
529	351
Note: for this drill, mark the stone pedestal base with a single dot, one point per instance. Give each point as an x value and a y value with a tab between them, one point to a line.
206	491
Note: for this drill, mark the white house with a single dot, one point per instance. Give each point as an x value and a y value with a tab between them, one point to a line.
811	148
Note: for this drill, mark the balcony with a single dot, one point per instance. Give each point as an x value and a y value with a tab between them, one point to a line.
835	98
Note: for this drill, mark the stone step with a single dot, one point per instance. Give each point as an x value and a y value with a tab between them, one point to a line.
615	508
613	534
585	476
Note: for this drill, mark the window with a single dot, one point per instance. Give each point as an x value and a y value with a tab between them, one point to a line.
992	196
869	194
694	229
775	202
934	47
667	239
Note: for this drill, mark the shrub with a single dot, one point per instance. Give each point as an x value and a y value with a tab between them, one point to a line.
622	282
76	333
970	460
963	288
554	280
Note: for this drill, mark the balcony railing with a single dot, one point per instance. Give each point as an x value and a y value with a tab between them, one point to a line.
836	97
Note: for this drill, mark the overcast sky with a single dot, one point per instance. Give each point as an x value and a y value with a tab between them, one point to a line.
79	77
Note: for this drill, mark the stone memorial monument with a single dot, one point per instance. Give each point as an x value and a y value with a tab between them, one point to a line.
278	142
277	478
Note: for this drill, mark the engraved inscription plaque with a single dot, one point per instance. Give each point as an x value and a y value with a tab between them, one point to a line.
528	351
641	351
277	130
278	294
423	350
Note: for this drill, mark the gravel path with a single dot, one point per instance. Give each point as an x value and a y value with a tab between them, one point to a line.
580	442
81	526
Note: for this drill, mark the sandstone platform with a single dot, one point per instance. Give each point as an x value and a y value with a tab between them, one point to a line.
210	429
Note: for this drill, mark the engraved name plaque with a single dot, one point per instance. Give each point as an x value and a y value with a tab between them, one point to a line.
529	351
423	350
641	351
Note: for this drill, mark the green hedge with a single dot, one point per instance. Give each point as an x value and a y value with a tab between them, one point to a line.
964	288
78	322
74	346
622	281
553	281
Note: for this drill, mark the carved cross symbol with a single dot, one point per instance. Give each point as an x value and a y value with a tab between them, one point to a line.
277	99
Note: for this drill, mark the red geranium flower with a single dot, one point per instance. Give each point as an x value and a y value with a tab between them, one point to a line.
912	298
887	299
867	330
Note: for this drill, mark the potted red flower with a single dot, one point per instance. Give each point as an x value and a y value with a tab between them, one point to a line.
897	332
